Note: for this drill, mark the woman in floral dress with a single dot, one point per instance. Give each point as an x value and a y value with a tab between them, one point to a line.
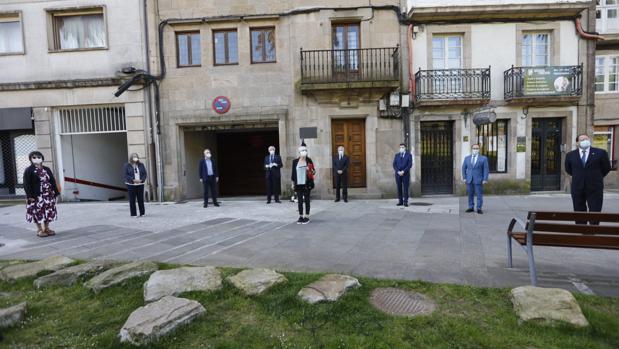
41	191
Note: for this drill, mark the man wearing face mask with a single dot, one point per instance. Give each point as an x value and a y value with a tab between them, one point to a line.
272	165
402	164
475	171
588	166
208	177
340	169
135	176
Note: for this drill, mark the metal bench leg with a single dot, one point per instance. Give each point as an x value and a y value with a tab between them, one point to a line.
509	251
532	270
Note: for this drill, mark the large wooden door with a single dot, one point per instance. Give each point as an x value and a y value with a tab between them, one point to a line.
351	135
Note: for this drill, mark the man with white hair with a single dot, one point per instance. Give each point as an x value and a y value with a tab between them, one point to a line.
272	165
340	169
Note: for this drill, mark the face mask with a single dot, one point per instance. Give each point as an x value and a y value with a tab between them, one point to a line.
475	151
341	152
303	153
272	152
402	150
135	159
37	161
585	144
207	155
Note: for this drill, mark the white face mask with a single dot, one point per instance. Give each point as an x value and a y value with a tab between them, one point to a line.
585	144
272	152
207	155
402	149
303	152
37	161
341	152
475	151
135	159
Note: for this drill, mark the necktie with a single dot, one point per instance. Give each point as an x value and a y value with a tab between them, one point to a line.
340	157
271	158
474	159
583	158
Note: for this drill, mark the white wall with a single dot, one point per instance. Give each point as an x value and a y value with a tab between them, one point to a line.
440	3
98	158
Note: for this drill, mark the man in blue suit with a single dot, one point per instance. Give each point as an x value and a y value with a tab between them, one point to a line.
209	177
475	171
402	163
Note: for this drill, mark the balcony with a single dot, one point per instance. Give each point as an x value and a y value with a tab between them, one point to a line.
440	87
376	69
552	85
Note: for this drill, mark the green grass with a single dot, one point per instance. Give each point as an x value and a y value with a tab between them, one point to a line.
466	317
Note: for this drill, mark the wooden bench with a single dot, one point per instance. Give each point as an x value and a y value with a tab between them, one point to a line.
545	228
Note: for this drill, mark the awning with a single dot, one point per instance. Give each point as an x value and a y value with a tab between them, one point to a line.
16	119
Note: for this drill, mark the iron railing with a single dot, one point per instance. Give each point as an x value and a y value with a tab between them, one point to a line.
452	84
352	65
549	81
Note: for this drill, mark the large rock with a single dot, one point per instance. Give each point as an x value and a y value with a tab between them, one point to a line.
329	288
547	305
17	271
176	281
255	281
120	274
69	276
13	315
146	324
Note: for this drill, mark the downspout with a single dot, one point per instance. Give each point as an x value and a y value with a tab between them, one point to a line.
586	35
152	159
411	83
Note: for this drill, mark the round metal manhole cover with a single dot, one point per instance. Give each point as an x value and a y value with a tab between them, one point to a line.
421	204
395	301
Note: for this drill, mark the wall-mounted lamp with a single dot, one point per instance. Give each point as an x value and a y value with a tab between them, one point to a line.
525	112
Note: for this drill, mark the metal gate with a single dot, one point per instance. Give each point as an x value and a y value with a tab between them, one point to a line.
546	154
437	157
15	146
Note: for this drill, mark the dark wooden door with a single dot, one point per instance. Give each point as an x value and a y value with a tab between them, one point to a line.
546	154
437	157
351	135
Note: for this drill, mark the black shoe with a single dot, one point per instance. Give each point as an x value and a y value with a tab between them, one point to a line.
268	202
345	200
216	204
205	205
300	220
399	204
469	210
406	204
337	200
277	200
305	220
480	211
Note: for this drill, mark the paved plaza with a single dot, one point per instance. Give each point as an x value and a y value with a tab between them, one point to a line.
433	241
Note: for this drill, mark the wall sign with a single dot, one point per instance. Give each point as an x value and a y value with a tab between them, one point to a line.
548	81
221	104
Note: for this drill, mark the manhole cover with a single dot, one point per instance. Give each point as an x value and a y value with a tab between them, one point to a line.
395	301
421	204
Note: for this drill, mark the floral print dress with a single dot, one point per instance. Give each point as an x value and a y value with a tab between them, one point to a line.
43	210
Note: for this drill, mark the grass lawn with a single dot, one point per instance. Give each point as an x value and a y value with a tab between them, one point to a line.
466	317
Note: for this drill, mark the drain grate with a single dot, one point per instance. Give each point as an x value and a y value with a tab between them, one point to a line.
395	301
421	204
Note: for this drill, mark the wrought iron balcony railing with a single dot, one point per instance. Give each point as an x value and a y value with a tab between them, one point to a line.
352	65
547	81
452	84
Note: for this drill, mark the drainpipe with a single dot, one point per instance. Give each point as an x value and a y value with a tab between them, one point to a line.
586	35
411	87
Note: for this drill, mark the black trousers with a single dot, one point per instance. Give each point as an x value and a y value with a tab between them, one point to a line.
136	192
341	182
272	187
303	196
210	184
584	201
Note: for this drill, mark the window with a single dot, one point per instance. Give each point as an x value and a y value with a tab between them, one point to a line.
188	49
607	16
74	30
346	42
535	49
492	139
262	45
607	73
447	52
225	48
11	40
604	138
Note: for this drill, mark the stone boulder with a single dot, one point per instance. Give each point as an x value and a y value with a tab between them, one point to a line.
547	305
12	315
154	320
17	271
120	274
176	281
70	276
329	288
254	282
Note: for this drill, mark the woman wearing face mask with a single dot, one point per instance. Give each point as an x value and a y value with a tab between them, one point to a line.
41	191
303	173
135	176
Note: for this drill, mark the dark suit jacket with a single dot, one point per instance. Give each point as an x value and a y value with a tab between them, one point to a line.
309	183
130	175
403	163
274	172
591	176
340	165
203	170
32	183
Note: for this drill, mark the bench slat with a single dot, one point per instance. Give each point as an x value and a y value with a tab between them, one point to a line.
577	241
576	228
574	216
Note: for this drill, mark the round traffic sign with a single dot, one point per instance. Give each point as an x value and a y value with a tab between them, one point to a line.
221	104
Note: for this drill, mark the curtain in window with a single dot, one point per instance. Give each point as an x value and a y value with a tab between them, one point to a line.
81	31
10	37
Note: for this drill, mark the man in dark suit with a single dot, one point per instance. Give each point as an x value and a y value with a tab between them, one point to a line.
272	165
402	164
209	177
588	166
475	172
340	171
